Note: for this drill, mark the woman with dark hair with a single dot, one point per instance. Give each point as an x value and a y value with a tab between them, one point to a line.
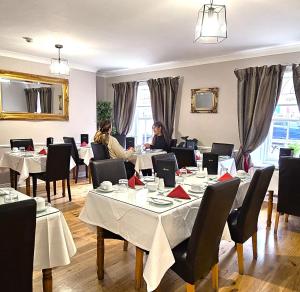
160	139
103	136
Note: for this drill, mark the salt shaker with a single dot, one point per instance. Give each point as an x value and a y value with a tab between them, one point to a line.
161	184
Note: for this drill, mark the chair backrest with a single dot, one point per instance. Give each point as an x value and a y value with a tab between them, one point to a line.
130	142
211	162
166	156
166	169
100	151
109	169
203	247
49	140
58	161
222	149
21	143
121	139
185	157
17	225
84	138
289	186
173	143
249	212
74	150
191	144
285	152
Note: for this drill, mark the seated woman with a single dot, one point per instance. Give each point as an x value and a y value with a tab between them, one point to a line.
103	136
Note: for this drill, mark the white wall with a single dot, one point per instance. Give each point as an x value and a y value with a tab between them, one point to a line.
82	109
220	127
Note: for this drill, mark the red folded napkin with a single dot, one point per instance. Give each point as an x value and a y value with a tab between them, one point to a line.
29	148
83	144
133	181
178	171
179	193
43	152
224	177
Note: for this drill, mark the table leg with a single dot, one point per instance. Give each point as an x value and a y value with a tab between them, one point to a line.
28	186
63	185
100	253
270	208
90	174
139	254
47	280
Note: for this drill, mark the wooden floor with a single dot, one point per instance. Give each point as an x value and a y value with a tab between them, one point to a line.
276	269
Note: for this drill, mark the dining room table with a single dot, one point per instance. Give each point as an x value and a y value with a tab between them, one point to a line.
151	221
54	244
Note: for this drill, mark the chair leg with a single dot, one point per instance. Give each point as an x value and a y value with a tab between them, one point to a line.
34	186
276	222
12	178
15	180
215	277
69	189
48	190
54	187
86	171
239	249
254	245
63	185
125	245
190	287
286	218
76	175
100	253
138	267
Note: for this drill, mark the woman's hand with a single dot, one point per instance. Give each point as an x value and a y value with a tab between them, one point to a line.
147	145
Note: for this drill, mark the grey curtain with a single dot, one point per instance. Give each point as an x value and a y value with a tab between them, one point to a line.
46	99
296	79
163	93
258	93
31	99
124	105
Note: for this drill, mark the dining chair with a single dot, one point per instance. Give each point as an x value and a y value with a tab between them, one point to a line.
100	151
242	222
196	256
130	142
185	156
109	169
285	152
84	138
173	143
211	162
17	225
288	189
165	156
222	149
57	168
27	144
121	139
49	140
78	161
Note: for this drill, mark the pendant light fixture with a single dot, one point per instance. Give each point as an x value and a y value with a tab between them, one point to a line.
211	26
58	65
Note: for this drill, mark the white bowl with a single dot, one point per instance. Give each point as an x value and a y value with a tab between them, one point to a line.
152	186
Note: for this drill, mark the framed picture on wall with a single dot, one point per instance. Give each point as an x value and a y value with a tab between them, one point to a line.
204	100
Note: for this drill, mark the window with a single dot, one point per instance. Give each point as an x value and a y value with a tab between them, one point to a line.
141	128
285	125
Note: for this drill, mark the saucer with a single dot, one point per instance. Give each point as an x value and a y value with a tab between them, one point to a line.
105	191
196	192
42	210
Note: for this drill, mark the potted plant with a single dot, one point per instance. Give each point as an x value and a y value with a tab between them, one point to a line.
296	148
104	111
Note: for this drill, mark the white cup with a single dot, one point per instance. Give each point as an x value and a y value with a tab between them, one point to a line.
15	149
152	186
40	203
106	185
196	188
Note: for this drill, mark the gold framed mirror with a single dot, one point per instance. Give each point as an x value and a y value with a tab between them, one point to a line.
204	100
26	96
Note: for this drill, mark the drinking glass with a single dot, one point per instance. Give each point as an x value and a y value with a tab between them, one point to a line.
123	185
183	172
11	197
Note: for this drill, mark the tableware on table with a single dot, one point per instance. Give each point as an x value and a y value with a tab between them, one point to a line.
241	173
106	185
40	204
152	186
149	178
11	197
161	184
22	149
192	168
15	149
4	192
159	201
179	180
196	188
200	173
123	185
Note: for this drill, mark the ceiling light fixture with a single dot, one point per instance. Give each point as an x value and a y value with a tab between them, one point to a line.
211	26
58	65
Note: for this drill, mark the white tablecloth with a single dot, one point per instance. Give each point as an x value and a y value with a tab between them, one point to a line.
155	229
26	165
143	160
85	153
54	244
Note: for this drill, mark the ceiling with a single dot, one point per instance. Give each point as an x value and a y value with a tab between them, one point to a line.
106	35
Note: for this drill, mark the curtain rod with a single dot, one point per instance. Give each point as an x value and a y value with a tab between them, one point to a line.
145	80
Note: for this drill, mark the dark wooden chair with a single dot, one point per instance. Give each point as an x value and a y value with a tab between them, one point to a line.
130	142
196	256
222	149
185	156
100	151
17	225
78	161
121	139
166	156
57	168
242	222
